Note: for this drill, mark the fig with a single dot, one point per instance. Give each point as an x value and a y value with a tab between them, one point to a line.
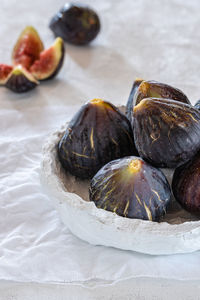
27	48
20	80
186	185
5	70
197	105
129	105
166	132
154	89
131	188
76	24
97	134
49	62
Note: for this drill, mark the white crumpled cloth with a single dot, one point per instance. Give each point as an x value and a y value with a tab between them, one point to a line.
150	39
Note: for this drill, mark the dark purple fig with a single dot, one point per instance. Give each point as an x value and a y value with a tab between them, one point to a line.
97	134
166	132
20	80
186	185
197	105
129	105
76	24
131	188
156	89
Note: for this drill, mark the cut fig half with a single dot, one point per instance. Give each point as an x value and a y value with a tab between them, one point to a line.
49	62
27	48
20	80
5	70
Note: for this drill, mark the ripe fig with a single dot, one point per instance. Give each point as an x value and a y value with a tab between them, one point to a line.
5	70
167	132
129	105
131	188
197	105
49	62
186	185
27	48
97	134
148	89
76	24
20	80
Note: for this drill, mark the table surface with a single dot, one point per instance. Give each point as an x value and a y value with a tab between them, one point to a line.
156	40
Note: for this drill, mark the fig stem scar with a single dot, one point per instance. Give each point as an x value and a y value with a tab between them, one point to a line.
144	87
139	106
135	166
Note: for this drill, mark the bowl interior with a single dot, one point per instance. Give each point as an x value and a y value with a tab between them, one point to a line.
175	213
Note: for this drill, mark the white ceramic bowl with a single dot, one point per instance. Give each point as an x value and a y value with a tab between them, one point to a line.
179	232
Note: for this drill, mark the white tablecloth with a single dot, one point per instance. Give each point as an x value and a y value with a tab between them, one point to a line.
149	39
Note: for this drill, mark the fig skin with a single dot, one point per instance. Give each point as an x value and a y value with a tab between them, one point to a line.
131	188
129	105
166	132
186	185
20	80
154	89
76	24
197	105
50	61
5	71
97	134
27	48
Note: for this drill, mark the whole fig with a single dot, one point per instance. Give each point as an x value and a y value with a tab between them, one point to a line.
131	188
97	134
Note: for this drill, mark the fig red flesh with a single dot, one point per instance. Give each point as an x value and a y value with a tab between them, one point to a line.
5	70
27	48
49	62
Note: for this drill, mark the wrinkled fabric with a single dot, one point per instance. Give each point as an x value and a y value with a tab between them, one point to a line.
153	40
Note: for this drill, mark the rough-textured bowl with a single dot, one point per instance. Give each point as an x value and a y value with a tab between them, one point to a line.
179	232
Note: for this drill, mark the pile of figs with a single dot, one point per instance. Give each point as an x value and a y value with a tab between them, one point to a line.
31	63
121	154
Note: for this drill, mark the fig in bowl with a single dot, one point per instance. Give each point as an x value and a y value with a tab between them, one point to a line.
131	188
186	185
166	132
130	104
154	89
97	134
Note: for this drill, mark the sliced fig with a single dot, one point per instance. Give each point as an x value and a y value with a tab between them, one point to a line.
186	185
131	188
97	134
167	132
27	48
20	80
156	89
49	62
76	24
5	70
129	105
